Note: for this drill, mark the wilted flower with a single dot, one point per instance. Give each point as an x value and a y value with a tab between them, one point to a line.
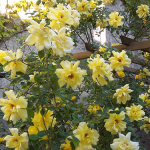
122	94
124	143
70	74
135	112
115	124
115	19
16	141
14	107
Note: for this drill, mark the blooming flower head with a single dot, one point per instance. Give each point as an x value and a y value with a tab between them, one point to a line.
61	44
122	94
135	112
16	141
83	6
115	124
146	126
145	98
14	107
60	16
40	35
100	70
70	74
2	55
32	130
115	19
106	2
119	60
48	119
142	11
147	56
15	65
92	5
144	74
124	143
86	135
93	109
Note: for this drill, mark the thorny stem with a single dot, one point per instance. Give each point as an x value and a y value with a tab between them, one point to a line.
114	36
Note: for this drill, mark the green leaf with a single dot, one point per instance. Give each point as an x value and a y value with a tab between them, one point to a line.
41	54
33	137
130	129
30	113
41	133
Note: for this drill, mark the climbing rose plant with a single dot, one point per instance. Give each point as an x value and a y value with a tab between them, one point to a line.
44	105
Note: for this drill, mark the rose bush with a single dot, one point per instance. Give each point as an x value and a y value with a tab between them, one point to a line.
43	102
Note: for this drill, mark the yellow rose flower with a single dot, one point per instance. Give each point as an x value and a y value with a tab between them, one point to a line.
115	124
32	130
143	11
48	120
59	101
61	44
119	60
15	65
121	74
70	74
122	94
16	141
93	109
67	145
106	2
135	112
124	143
146	126
100	70
14	107
2	55
147	56
115	19
144	73
60	16
83	6
86	135
49	3
40	35
145	98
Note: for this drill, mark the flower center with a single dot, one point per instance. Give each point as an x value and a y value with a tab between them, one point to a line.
86	135
116	121
71	76
119	60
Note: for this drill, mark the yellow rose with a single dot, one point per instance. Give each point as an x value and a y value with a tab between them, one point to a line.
32	130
